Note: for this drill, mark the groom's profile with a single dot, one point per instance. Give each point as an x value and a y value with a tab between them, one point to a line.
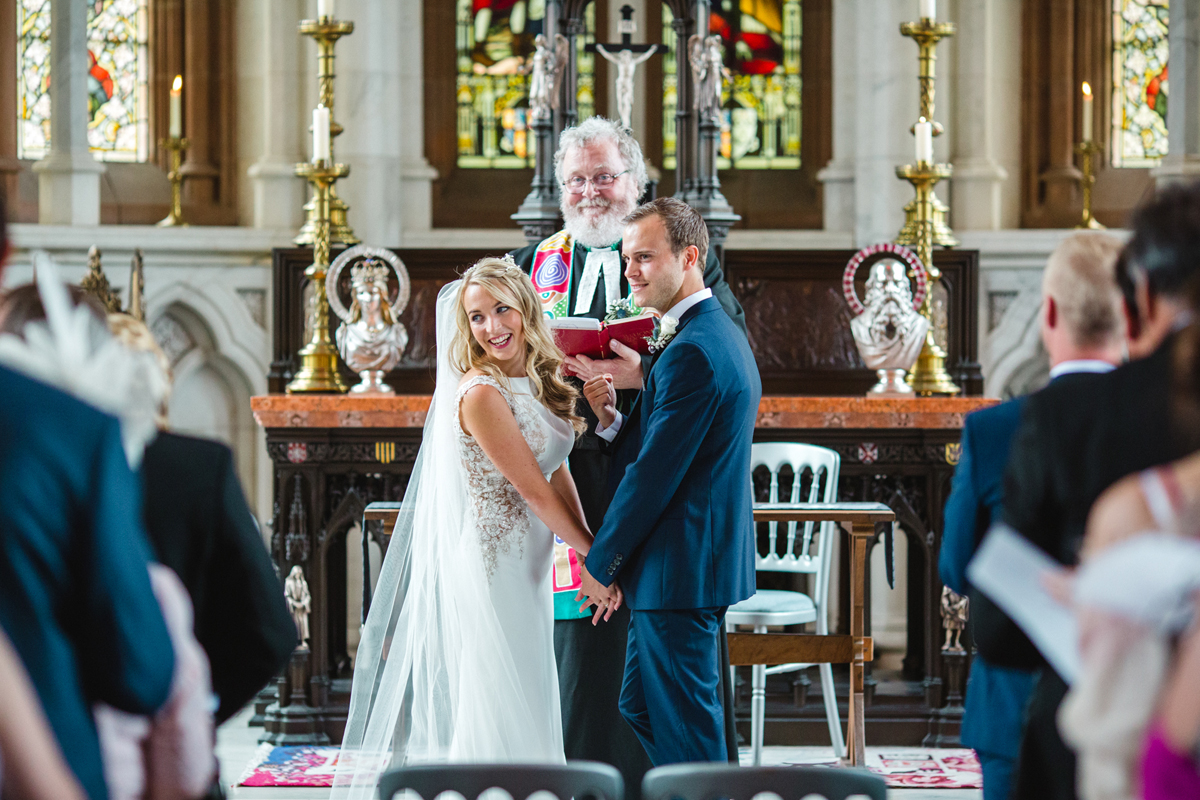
678	535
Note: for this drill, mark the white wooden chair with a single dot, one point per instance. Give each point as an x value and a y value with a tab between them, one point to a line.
802	552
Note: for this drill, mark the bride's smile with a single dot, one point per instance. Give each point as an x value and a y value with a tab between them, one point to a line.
497	328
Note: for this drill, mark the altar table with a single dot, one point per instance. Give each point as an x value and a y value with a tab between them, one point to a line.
334	454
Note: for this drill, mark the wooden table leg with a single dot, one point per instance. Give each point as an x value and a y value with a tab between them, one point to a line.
860	535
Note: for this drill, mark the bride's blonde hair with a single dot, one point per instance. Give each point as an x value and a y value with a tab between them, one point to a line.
505	282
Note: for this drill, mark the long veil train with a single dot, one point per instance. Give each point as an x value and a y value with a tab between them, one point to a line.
434	680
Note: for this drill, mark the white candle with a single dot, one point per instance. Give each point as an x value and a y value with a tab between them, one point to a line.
320	124
924	131
175	129
928	9
324	8
1087	111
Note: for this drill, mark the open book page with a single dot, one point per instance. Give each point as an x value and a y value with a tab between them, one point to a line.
1009	570
575	324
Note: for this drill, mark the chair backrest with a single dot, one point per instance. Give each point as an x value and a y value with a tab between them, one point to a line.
801	553
713	781
578	779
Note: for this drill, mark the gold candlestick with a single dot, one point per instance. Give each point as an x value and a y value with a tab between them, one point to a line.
318	359
927	33
176	145
928	376
325	32
1088	150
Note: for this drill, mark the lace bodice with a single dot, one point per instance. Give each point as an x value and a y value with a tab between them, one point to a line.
497	510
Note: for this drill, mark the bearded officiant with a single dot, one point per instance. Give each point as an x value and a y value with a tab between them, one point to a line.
579	272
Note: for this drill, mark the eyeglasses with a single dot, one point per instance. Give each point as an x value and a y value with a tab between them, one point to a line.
604	180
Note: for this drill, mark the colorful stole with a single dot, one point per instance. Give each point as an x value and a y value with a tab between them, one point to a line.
551	274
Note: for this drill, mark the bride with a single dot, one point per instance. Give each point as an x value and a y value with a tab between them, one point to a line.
456	660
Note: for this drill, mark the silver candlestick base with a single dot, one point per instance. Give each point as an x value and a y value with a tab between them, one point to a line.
891	383
372	383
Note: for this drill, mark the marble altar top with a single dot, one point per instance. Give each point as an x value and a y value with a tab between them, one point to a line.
408	411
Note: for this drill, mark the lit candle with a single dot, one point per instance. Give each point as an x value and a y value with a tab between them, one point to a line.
1087	112
320	126
175	129
928	9
324	8
924	131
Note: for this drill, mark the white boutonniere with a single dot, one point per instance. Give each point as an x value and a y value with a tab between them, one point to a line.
666	332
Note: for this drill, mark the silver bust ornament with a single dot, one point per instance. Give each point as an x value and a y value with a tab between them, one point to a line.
370	339
889	332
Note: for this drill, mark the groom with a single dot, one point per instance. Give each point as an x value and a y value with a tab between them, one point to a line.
678	534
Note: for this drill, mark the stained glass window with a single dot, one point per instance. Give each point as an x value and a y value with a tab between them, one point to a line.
1139	109
118	107
760	123
495	41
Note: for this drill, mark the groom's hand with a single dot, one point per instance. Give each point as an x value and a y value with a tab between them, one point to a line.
602	397
606	599
625	366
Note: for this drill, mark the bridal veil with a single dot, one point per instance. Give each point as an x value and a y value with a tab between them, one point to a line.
434	680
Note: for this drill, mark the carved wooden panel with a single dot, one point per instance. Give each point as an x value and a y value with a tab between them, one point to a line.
797	320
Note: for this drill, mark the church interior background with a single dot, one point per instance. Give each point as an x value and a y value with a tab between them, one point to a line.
432	97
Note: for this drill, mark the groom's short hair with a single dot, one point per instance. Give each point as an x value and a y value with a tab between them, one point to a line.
684	225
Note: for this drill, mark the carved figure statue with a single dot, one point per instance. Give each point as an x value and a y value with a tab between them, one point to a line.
370	340
627	63
547	66
299	601
889	333
708	72
955	612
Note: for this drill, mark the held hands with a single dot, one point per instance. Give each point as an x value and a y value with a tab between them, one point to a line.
625	368
606	599
602	397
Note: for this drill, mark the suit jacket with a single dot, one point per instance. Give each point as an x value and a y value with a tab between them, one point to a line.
996	696
679	532
75	596
714	278
201	527
1078	436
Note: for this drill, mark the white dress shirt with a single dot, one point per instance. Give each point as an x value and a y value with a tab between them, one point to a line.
1080	365
677	311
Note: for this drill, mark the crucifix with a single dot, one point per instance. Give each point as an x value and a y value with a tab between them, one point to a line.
626	56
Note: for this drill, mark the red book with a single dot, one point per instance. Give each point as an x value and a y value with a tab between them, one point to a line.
584	336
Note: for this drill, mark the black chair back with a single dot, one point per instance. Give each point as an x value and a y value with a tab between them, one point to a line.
576	779
718	781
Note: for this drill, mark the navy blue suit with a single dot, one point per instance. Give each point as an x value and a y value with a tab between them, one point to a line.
75	593
996	696
679	532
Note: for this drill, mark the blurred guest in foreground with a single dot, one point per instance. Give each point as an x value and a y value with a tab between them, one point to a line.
31	765
1082	330
75	594
201	527
1076	439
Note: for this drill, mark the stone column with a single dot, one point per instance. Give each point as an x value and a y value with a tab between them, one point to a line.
416	174
1183	116
984	130
886	103
838	175
68	177
277	101
369	99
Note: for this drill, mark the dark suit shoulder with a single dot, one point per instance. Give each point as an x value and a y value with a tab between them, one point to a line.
41	401
524	255
995	424
188	454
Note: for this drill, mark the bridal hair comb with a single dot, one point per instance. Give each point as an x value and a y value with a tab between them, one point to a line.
506	265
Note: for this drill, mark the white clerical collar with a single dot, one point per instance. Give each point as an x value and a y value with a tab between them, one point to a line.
680	308
608	262
1080	365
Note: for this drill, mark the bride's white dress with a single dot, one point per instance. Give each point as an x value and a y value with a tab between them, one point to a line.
456	658
517	551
